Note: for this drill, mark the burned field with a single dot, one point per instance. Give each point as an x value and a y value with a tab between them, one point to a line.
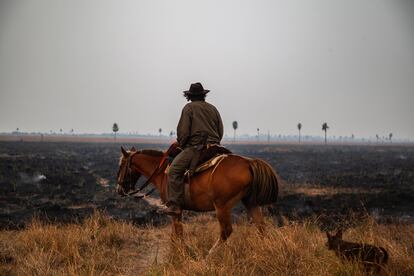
64	182
337	184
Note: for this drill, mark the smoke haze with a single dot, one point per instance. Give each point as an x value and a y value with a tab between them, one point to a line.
269	64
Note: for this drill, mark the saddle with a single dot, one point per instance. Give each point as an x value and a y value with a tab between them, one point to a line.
208	152
209	156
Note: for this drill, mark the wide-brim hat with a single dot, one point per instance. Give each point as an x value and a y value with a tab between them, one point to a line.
196	89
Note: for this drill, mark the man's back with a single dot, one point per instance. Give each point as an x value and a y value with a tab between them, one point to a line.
200	123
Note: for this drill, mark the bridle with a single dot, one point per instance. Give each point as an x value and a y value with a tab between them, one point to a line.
128	172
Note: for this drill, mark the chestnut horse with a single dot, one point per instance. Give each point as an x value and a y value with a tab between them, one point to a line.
220	188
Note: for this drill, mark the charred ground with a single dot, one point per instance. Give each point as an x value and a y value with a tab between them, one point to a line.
63	181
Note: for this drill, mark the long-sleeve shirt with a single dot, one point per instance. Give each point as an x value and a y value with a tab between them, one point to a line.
200	123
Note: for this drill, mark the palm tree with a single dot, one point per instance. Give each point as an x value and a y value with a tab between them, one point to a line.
390	136
299	128
377	136
115	129
258	133
325	128
235	126
160	130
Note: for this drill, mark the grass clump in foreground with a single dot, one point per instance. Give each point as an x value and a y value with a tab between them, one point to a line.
101	246
295	249
98	245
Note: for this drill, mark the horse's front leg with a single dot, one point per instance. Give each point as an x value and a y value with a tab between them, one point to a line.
177	228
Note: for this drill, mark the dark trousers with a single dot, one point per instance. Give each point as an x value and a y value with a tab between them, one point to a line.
180	164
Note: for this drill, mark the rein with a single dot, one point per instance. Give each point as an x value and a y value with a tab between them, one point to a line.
154	173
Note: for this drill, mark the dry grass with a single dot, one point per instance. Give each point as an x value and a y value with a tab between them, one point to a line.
101	246
296	249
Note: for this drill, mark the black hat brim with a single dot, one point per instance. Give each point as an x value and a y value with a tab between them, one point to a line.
198	93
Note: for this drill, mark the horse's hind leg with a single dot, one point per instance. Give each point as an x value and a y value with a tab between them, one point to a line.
224	218
255	213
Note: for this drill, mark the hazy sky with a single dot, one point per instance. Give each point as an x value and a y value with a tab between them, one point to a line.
269	64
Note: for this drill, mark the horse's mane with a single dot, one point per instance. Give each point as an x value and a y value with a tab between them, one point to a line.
152	152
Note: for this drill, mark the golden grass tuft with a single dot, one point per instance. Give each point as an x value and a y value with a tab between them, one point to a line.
92	247
296	249
102	246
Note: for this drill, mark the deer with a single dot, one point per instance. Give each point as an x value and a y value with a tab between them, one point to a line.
370	256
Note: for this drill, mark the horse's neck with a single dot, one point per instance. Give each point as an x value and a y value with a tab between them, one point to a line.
147	166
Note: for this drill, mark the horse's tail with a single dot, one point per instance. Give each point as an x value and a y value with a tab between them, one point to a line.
263	188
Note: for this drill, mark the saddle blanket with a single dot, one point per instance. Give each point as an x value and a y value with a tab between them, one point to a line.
204	166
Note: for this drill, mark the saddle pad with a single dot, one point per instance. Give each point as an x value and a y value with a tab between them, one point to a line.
206	165
210	163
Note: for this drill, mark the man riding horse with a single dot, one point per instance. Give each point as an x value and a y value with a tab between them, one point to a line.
200	124
217	188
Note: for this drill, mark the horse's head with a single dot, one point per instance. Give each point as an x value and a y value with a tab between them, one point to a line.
127	177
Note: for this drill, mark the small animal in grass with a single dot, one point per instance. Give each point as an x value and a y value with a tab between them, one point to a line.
372	257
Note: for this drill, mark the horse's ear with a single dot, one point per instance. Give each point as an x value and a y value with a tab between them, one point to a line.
133	149
124	152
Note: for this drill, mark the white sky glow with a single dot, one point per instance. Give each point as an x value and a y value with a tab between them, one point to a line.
268	64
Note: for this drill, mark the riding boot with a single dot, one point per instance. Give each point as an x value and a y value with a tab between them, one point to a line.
172	209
